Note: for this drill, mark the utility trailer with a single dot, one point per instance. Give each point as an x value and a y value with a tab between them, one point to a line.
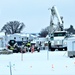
71	47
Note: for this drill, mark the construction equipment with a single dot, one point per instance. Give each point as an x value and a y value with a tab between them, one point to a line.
55	27
56	32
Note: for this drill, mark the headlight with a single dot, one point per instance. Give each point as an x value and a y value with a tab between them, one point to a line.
64	42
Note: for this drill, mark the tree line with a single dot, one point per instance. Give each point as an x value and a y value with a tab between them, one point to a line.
12	27
44	32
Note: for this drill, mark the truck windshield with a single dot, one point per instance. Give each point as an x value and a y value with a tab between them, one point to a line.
60	34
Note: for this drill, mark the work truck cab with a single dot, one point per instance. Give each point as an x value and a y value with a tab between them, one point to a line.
58	40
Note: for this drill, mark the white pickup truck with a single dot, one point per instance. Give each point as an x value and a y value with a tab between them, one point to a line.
58	40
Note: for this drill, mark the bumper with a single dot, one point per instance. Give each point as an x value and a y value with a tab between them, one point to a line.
58	46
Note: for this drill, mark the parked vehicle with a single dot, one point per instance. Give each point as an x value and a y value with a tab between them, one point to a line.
57	34
12	45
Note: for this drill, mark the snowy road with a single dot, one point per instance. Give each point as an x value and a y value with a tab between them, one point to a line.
42	63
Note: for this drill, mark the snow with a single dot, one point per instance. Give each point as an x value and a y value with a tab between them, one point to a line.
37	63
2	34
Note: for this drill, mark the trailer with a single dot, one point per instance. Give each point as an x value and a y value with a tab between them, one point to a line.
71	47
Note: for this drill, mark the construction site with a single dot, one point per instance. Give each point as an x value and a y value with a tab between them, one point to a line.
29	54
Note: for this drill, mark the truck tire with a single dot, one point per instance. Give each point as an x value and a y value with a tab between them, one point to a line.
65	48
38	50
52	49
71	56
60	49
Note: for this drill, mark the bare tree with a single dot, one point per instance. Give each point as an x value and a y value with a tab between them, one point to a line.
43	33
13	27
71	29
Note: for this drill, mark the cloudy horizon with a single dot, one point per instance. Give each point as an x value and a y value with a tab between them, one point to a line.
34	13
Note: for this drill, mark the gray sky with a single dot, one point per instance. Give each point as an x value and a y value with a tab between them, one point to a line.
35	13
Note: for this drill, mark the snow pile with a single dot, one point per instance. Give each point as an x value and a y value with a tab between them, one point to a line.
37	63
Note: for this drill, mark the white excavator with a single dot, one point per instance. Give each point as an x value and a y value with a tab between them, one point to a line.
57	34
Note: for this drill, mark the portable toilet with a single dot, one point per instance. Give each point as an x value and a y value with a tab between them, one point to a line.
71	47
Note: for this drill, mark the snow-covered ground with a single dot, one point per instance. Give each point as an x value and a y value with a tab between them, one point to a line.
37	63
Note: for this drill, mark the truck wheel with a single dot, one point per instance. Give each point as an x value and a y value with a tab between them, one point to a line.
66	49
52	49
38	50
71	56
16	51
60	49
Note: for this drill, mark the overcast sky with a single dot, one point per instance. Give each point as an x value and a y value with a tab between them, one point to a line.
35	14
